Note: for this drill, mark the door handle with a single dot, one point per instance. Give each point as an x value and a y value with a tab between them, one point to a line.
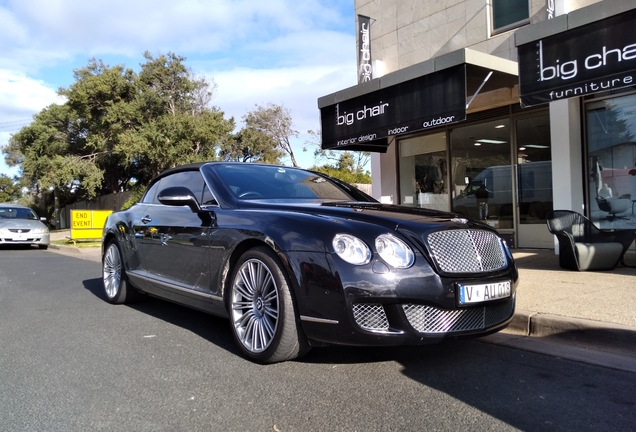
146	219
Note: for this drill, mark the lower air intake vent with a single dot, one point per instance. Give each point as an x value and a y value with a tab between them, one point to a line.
428	319
370	316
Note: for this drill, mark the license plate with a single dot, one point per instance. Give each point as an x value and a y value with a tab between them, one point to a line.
484	292
19	237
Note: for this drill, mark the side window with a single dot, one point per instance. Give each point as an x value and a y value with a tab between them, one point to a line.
151	194
508	14
190	179
208	198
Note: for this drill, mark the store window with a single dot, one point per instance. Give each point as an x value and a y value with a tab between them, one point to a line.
534	169
611	145
481	172
424	172
508	14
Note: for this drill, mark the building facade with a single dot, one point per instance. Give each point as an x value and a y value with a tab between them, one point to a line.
500	110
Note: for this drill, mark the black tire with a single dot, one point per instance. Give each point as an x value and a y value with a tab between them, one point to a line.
43	246
116	287
262	314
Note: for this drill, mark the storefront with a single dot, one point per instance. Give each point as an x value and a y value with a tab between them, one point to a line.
453	137
502	141
589	59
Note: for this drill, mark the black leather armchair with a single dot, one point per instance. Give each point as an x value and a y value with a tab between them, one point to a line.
582	246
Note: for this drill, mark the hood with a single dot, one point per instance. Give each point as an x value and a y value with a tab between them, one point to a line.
391	216
21	224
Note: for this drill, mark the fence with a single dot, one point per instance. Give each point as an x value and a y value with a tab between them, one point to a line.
112	202
115	201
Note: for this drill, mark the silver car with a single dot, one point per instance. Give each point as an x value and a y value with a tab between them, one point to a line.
20	225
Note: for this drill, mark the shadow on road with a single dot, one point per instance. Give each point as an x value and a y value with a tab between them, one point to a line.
212	328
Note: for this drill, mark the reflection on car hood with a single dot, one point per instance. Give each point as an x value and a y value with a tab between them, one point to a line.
389	215
21	223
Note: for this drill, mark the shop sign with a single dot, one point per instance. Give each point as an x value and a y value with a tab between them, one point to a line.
553	8
597	57
365	69
425	102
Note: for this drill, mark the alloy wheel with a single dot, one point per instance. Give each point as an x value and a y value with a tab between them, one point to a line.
112	271
255	305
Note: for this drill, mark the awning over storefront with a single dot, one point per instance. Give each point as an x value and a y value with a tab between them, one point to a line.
426	95
588	51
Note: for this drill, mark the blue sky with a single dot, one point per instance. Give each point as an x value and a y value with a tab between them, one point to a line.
287	52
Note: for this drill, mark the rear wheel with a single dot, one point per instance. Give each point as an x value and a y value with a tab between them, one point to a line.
116	286
262	311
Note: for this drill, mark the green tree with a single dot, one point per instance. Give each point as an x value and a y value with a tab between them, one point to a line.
10	190
119	128
348	166
269	125
251	145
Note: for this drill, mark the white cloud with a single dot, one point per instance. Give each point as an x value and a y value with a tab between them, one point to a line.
286	52
21	96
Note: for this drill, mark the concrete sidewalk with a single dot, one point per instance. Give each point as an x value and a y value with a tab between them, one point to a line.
587	307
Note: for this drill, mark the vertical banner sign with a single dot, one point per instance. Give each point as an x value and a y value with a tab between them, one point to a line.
593	58
550	9
365	69
554	8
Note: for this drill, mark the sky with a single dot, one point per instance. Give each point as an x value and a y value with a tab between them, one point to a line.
286	52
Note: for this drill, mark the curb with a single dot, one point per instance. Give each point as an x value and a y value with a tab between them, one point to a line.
65	248
601	334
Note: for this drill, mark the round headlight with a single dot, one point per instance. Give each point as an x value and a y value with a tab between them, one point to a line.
351	249
394	251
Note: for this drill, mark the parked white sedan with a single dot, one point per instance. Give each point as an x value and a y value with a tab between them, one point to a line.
20	225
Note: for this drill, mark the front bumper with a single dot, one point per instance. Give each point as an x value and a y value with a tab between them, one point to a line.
25	239
375	305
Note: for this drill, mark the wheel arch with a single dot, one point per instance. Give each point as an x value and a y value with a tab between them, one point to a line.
252	243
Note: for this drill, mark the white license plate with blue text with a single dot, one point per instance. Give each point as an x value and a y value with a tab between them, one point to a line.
484	292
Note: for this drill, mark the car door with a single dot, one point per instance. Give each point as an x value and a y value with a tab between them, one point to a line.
175	241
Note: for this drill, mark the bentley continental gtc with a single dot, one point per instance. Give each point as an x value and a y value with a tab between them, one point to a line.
296	259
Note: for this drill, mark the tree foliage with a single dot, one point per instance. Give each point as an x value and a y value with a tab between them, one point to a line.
10	190
347	166
268	126
119	128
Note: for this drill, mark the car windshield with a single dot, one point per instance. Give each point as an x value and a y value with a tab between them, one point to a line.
247	181
17	213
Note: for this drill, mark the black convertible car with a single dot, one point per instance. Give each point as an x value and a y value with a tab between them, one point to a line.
296	259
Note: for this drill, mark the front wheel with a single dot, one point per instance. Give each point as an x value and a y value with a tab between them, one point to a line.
262	310
116	286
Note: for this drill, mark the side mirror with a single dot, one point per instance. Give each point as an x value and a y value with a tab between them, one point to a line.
179	196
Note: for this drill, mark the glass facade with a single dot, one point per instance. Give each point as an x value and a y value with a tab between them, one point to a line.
482	172
498	171
534	169
611	160
423	172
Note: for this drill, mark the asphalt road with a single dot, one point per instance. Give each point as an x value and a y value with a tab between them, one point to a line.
69	361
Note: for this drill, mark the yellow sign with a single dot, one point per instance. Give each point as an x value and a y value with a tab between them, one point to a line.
88	224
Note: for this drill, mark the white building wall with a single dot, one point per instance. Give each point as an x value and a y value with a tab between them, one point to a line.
406	32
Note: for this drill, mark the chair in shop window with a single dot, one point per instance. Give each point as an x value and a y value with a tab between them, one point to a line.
615	206
582	246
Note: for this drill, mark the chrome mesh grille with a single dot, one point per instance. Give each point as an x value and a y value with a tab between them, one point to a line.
428	319
370	316
467	251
